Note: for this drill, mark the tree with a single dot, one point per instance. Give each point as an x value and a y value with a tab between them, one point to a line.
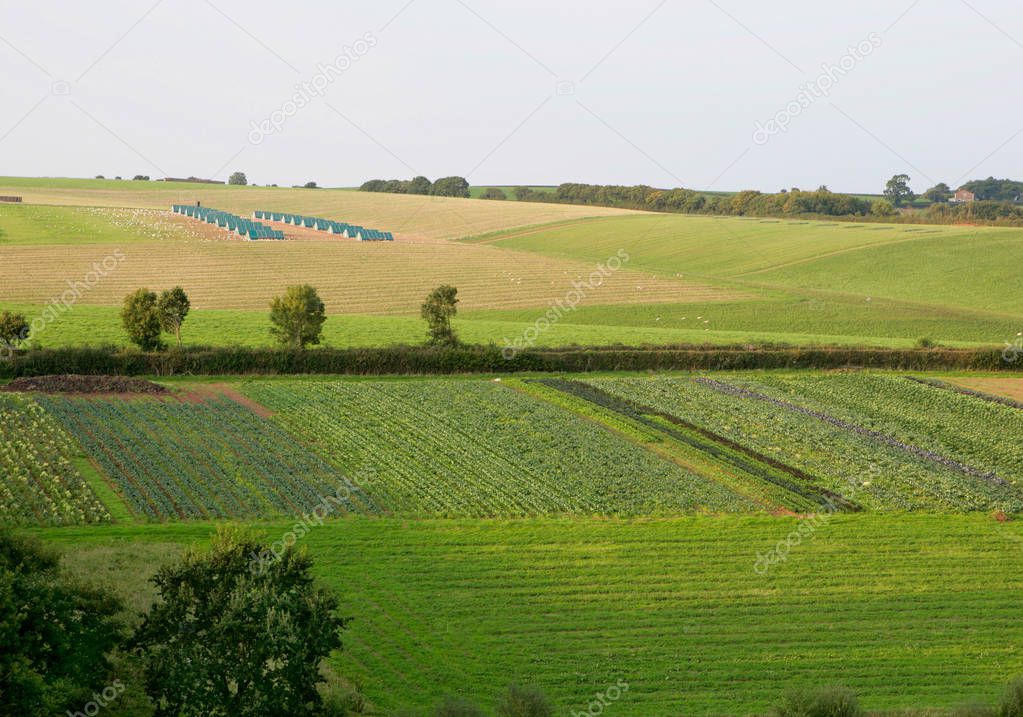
419	185
309	185
172	307
938	194
1004	190
493	193
238	178
298	317
234	633
141	320
882	208
13	328
140	178
897	190
438	309
450	187
100	176
56	634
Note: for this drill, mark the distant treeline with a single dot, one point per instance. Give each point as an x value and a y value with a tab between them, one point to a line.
819	203
995	205
443	187
426	360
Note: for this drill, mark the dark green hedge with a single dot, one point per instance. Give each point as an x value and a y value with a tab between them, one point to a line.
484	359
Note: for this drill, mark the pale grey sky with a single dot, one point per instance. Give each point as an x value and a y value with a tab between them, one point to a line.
662	92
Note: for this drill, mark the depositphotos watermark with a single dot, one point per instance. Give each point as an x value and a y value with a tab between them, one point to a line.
65	302
260	562
603	700
316	86
808	527
820	87
564	305
100	700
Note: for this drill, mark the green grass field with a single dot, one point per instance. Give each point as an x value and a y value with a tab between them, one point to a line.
918	612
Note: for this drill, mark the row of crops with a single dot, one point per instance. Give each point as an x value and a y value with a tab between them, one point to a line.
40	483
210	460
478	448
881	441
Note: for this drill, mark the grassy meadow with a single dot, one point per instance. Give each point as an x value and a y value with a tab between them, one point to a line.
918	612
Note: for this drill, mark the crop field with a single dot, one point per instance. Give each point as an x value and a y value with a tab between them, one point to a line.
352	277
408	216
883	442
777	442
476	448
40	482
208	460
920	611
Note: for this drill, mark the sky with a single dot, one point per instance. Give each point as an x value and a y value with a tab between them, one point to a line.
707	94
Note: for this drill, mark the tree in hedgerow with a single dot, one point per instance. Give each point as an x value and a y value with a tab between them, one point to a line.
882	208
298	317
939	193
450	187
238	178
236	634
897	190
13	328
420	185
493	193
173	306
438	309
141	320
57	635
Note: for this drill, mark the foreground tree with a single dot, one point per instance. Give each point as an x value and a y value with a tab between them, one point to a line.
439	308
13	328
298	317
897	190
238	178
236	636
141	320
56	634
172	307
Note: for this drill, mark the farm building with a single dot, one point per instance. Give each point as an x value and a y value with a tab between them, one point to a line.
962	196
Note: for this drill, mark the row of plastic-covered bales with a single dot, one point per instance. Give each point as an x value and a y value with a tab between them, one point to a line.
252	229
351	231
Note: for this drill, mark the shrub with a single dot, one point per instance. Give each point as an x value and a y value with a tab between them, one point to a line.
493	193
1012	701
925	342
524	702
820	702
457	707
